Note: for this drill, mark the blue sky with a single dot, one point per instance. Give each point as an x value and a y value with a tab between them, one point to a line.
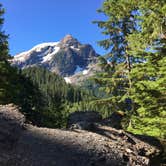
31	22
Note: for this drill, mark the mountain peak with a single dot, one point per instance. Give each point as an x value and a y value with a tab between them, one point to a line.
69	39
65	57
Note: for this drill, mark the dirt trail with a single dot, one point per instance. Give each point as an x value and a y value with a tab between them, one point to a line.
22	144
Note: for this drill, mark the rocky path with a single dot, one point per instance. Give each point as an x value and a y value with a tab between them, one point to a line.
26	145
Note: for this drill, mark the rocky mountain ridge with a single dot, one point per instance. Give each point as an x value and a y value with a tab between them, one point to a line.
24	144
66	57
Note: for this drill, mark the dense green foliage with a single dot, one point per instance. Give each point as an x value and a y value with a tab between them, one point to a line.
14	87
135	74
8	81
58	98
53	85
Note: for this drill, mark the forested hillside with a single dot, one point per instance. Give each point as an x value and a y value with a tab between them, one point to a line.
57	98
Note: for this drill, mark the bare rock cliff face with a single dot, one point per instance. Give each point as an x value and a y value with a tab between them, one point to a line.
22	144
64	57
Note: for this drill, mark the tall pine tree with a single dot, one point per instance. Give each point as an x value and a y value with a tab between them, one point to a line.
135	76
149	74
7	80
118	62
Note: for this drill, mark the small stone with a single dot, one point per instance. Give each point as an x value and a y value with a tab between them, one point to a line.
128	150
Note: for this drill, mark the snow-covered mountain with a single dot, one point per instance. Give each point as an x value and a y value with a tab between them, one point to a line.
68	57
42	52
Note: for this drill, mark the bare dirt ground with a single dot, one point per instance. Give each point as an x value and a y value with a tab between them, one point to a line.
22	144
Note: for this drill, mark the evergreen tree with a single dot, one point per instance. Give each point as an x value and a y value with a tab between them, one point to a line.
116	80
8	88
14	87
3	38
3	57
140	66
149	75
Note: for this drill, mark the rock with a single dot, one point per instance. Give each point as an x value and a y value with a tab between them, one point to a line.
26	145
87	120
114	120
83	119
11	125
82	125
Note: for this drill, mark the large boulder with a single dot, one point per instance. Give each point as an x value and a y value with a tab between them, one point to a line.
88	119
114	120
83	120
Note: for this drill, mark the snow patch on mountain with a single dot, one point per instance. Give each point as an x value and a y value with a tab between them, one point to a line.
85	72
39	47
74	48
22	57
68	80
48	57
